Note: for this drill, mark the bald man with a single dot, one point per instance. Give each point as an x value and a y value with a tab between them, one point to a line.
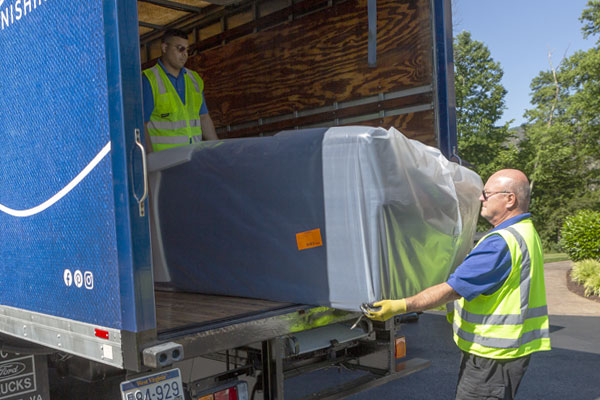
498	308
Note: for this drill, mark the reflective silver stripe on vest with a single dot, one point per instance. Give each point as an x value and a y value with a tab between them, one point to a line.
169	139
525	269
507	319
167	125
172	125
194	81
501	343
195	123
162	89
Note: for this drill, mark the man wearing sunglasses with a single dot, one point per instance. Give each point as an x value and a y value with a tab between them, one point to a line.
499	312
175	113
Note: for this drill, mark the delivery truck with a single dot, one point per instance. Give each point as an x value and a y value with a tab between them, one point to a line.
80	313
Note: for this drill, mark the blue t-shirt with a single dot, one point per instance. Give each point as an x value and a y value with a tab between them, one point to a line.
179	85
486	267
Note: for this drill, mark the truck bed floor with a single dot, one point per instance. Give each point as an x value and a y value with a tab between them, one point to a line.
180	311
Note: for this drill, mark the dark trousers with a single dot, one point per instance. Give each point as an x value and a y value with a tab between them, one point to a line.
482	378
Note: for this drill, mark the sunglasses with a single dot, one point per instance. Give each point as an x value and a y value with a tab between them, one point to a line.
182	49
487	195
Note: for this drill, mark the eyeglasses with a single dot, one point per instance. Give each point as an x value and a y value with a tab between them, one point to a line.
487	195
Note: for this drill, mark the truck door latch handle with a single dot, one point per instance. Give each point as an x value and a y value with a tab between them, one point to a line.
140	200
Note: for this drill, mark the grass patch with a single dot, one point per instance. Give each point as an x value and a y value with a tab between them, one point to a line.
587	273
555	257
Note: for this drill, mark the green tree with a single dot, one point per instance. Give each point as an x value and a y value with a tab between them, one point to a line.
562	136
591	19
479	106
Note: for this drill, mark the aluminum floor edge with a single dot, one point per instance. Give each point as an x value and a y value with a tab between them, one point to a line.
244	330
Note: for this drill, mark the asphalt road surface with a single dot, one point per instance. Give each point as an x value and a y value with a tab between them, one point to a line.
570	371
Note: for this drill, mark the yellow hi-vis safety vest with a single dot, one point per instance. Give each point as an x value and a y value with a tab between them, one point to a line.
172	123
513	321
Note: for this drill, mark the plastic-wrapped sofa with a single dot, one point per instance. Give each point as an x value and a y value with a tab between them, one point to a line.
333	216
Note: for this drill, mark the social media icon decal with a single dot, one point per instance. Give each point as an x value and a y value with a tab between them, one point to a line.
68	277
78	278
88	279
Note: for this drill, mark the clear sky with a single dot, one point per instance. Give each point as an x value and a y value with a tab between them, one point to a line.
519	34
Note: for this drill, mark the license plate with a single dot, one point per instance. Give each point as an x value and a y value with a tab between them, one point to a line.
164	385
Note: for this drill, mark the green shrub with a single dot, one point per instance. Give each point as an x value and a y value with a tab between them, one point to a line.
581	235
592	287
587	273
583	270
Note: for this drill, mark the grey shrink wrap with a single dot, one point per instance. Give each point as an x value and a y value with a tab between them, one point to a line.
333	217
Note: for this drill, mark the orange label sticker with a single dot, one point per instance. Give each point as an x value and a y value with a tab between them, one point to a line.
309	239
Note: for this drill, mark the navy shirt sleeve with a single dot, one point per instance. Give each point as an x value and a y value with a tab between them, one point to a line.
148	98
203	109
484	270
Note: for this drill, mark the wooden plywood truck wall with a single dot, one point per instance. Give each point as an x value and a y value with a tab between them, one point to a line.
313	70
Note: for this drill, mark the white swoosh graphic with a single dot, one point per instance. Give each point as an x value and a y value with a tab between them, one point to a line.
64	191
1	1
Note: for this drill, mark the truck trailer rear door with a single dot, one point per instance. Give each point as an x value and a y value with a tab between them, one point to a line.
74	239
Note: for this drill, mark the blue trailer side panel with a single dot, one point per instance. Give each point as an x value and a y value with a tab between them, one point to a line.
65	243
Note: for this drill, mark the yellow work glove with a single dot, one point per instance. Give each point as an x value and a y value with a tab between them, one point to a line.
388	309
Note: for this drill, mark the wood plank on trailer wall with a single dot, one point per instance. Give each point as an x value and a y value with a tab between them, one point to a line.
318	60
340	116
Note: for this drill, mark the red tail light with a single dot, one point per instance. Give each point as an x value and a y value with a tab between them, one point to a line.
227	394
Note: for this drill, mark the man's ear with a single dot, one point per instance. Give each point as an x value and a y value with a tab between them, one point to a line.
163	47
511	201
